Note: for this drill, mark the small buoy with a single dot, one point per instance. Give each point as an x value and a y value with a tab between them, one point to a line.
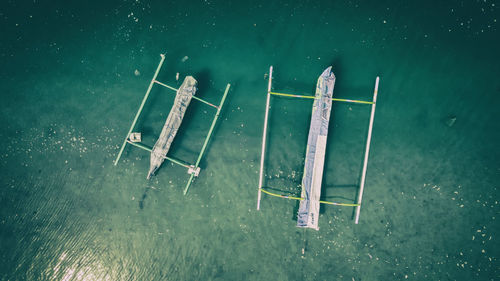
135	137
137	72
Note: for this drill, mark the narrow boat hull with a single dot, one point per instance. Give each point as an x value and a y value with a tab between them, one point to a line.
172	124
308	213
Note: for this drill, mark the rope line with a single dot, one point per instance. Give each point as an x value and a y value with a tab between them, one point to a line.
300	199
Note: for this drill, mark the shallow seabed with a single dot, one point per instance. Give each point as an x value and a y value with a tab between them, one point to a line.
73	76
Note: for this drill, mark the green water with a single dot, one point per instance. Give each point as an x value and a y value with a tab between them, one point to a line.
69	91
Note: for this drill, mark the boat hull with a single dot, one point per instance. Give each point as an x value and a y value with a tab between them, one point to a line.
172	124
308	212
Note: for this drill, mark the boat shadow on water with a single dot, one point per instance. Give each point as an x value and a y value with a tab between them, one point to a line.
143	199
145	195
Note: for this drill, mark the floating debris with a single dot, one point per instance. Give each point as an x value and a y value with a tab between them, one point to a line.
450	121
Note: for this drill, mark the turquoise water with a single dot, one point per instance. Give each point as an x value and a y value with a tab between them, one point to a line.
73	76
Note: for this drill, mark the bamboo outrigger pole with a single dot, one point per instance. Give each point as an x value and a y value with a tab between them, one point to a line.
367	152
207	138
173	160
140	108
264	134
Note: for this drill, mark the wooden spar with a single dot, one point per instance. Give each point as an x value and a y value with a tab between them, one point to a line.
140	108
166	86
207	138
367	152
143	147
264	135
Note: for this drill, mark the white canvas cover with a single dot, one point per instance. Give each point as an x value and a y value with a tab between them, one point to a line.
308	213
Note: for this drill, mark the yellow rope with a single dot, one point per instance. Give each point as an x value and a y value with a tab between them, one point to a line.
339	204
281	196
293	96
300	199
354	101
313	97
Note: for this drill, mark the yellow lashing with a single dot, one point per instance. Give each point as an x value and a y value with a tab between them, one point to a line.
312	97
299	198
293	96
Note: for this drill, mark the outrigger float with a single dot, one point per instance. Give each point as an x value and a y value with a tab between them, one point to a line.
308	212
159	152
